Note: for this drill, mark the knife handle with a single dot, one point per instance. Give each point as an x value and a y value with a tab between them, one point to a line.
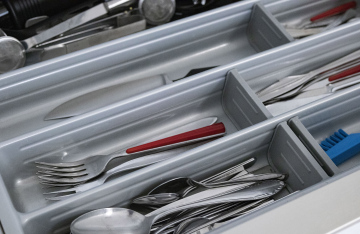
345	73
212	130
334	11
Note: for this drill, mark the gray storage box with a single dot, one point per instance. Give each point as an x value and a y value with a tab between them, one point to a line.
28	212
213	38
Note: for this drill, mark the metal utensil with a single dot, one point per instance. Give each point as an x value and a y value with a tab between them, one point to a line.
88	35
109	95
112	220
157	12
243	179
181	186
206	211
174	185
203	222
106	96
330	88
129	165
158	199
282	87
11	53
93	166
78	20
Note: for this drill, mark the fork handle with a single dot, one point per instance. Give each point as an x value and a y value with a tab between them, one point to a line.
334	11
212	130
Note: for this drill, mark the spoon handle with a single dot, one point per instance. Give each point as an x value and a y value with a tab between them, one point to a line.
257	191
201	196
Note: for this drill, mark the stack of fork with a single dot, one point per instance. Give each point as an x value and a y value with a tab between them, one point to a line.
91	172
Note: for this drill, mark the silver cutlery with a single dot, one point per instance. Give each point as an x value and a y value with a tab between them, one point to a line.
78	20
181	187
129	165
110	220
88	168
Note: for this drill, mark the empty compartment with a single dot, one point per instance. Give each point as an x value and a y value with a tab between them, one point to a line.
210	39
275	147
296	14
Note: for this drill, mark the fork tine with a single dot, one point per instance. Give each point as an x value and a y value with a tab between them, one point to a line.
75	174
67	170
61	165
62	180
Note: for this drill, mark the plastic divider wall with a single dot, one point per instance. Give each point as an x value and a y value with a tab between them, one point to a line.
303	134
247	107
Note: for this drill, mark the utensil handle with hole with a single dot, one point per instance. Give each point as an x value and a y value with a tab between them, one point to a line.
201	133
334	11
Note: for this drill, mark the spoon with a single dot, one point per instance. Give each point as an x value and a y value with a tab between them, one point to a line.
179	183
166	198
121	220
181	186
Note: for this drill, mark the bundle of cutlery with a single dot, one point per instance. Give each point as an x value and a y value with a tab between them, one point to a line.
337	75
231	193
324	21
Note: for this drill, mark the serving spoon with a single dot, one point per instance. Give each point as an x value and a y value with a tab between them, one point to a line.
122	220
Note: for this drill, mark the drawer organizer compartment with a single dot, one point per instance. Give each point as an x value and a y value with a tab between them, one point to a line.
297	59
275	147
316	124
133	64
296	15
125	124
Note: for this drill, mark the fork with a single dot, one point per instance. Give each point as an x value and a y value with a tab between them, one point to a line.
66	193
86	169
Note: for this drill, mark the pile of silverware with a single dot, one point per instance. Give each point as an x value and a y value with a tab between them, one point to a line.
184	205
298	90
324	21
26	40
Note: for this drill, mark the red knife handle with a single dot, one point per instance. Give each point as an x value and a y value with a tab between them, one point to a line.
214	129
334	11
345	73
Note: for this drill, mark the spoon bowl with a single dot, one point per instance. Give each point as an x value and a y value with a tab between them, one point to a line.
111	221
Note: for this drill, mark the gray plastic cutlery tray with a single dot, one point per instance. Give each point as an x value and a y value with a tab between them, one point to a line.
28	212
214	38
287	143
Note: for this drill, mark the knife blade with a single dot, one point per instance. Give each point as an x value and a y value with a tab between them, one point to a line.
109	95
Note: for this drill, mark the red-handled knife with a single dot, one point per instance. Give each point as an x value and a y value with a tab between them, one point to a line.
334	11
345	73
211	131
